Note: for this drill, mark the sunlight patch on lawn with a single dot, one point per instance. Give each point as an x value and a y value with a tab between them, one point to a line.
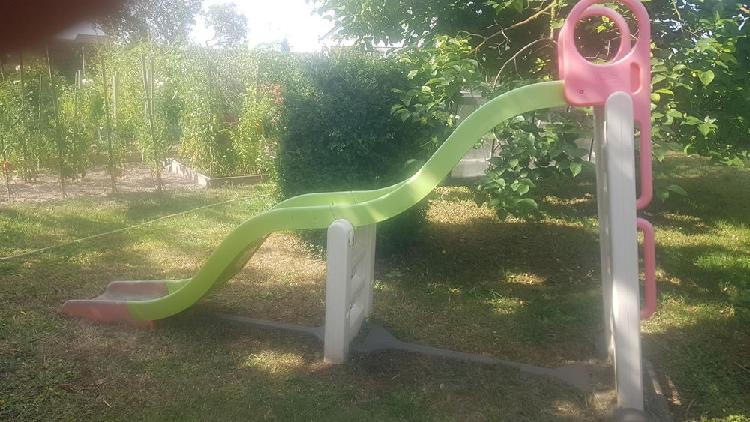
526	279
505	305
676	312
275	362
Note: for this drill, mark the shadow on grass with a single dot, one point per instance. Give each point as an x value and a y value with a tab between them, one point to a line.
28	226
283	376
702	362
704	272
519	291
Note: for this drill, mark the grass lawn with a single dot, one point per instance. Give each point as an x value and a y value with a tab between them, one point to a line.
525	291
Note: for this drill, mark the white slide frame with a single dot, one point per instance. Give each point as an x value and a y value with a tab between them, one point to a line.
618	241
351	258
349	285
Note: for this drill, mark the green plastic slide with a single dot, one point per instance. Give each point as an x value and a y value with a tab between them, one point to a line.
151	300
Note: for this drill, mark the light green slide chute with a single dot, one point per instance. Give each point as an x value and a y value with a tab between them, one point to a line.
156	300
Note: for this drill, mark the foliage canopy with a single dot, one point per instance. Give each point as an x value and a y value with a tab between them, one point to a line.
701	70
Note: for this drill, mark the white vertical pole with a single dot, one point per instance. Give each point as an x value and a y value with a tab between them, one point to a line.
624	249
338	273
602	203
370	266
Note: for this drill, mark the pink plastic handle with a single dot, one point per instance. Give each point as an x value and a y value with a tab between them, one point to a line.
649	267
590	84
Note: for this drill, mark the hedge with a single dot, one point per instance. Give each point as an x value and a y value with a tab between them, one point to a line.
340	133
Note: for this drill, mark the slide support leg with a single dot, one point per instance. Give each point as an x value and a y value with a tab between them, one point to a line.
621	247
349	286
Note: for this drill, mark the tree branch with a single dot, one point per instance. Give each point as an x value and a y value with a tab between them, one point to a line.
516	25
518	53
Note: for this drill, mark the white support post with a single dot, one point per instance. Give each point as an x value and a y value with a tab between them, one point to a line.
602	204
339	243
618	149
369	236
349	285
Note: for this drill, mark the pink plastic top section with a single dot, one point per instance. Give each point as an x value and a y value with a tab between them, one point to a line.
649	267
590	84
620	22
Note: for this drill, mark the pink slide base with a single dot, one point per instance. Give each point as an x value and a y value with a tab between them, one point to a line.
112	304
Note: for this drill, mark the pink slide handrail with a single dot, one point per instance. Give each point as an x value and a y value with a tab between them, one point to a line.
649	267
590	84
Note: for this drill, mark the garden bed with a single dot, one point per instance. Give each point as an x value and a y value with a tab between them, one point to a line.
188	173
135	177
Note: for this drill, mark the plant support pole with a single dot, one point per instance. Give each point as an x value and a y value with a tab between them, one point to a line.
58	129
108	129
148	89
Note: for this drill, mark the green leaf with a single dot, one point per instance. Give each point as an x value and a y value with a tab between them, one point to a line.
706	77
412	74
659	155
674	113
528	203
677	189
575	168
522	188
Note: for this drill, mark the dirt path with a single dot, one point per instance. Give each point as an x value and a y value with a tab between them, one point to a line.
136	177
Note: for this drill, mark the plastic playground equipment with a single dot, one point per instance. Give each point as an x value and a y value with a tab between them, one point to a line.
618	91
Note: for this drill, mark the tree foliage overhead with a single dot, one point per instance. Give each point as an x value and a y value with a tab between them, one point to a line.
230	26
701	50
161	21
700	66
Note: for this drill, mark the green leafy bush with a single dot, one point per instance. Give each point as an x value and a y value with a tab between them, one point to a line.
438	73
212	96
341	135
231	111
77	115
29	118
255	140
530	152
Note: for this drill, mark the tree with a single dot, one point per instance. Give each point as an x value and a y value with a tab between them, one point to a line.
696	43
230	26
700	71
160	21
